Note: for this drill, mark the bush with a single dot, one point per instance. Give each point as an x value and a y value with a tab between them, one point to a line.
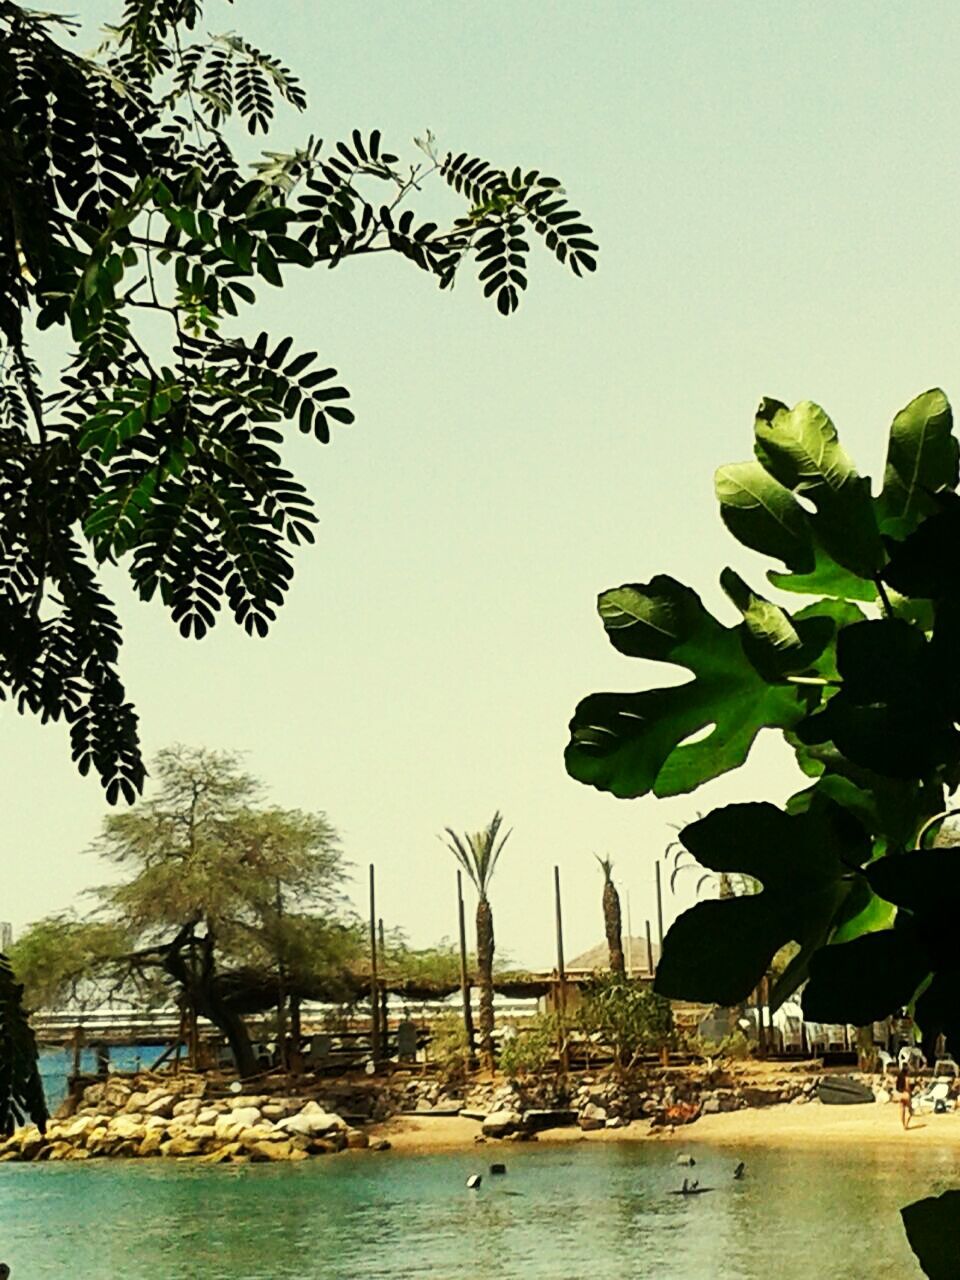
532	1048
629	1018
449	1049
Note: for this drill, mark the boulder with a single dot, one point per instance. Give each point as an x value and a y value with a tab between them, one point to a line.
313	1122
151	1144
382	1144
206	1115
357	1139
77	1153
710	1105
615	1122
185	1107
250	1136
77	1128
499	1123
183	1146
93	1095
243	1100
137	1102
128	1128
274	1111
265	1150
592	1117
161	1106
55	1151
32	1142
116	1093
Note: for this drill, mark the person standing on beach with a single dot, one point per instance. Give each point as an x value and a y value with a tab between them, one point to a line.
905	1095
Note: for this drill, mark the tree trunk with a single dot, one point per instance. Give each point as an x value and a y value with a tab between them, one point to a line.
485	976
202	997
613	927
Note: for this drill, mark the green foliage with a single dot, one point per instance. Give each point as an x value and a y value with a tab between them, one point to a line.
531	1048
933	1229
124	209
449	1049
21	1090
65	961
863	685
478	852
422	967
630	1018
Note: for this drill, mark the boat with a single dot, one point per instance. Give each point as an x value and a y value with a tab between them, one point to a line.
843	1091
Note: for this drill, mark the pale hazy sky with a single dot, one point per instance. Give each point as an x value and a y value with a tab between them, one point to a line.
776	192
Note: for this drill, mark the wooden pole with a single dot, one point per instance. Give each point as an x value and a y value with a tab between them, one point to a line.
282	1059
649	951
465	995
384	1021
659	908
561	972
374	983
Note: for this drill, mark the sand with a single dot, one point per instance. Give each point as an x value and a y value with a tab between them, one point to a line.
810	1124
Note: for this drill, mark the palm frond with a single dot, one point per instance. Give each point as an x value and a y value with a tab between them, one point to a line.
479	851
606	866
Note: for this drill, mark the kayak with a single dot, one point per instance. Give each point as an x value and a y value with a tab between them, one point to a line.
842	1091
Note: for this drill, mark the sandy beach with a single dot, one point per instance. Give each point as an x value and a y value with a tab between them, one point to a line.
875	1125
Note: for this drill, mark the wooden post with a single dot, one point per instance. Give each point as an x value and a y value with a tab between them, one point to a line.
282	1058
561	974
384	1019
659	908
465	995
650	969
77	1049
374	984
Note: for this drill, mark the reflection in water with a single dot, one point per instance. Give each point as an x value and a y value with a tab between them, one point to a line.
602	1211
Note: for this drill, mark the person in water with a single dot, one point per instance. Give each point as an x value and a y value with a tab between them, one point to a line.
905	1095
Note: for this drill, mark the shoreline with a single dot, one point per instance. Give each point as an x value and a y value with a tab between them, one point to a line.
875	1125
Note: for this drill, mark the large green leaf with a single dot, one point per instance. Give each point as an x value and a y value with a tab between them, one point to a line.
634	743
865	980
770	637
718	951
800	448
922	457
764	515
890	714
21	1090
933	1229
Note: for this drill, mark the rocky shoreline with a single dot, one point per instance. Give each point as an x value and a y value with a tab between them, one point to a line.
193	1116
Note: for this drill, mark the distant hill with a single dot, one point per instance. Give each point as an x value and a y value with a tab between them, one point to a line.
598	957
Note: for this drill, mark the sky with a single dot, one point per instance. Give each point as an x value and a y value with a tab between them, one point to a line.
775	190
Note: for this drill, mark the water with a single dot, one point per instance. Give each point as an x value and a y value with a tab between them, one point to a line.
57	1064
561	1213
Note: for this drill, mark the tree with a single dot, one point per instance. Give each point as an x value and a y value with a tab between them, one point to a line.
478	853
203	903
628	1017
125	208
611	916
862	683
64	960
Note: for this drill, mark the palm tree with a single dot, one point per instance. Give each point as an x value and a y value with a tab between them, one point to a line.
611	917
478	853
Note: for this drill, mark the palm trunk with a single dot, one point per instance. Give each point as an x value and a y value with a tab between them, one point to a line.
614	929
485	976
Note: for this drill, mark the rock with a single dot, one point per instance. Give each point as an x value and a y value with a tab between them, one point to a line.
710	1105
357	1139
161	1106
77	1128
382	1144
273	1111
151	1144
77	1153
592	1117
184	1145
137	1102
55	1151
616	1122
687	1161
206	1115
259	1133
128	1128
230	1125
499	1123
116	1092
879	1093
187	1107
313	1123
264	1150
32	1142
93	1095
245	1101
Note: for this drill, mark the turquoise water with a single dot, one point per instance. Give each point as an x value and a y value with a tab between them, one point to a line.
57	1064
563	1213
